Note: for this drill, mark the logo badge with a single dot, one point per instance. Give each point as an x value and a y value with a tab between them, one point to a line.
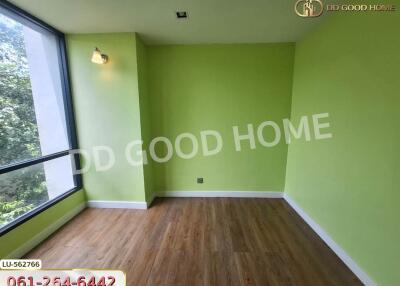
309	8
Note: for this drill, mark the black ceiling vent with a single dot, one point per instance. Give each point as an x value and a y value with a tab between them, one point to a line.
181	14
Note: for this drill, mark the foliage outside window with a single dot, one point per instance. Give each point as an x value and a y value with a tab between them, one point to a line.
33	122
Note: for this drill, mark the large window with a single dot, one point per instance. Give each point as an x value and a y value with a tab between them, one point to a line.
36	121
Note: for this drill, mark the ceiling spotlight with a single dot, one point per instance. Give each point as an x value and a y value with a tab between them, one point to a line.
181	14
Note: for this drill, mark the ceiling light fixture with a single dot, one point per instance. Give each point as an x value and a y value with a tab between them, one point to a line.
98	57
181	14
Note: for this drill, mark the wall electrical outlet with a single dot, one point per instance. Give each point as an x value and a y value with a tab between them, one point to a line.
200	181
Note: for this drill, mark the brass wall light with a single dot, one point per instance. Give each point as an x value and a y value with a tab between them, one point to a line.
98	57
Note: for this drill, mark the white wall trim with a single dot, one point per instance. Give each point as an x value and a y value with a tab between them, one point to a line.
183	194
41	236
117	205
220	194
357	270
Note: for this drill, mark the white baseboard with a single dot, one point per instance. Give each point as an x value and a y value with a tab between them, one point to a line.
183	194
41	236
360	273
220	194
117	205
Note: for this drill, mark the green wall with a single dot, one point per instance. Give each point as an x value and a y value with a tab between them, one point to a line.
350	66
145	114
28	230
107	111
200	87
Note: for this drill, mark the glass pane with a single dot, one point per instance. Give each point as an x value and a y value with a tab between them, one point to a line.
32	118
25	189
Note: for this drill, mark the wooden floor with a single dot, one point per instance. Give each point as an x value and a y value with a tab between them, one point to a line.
198	241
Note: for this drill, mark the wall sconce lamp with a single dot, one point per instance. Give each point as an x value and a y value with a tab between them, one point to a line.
98	57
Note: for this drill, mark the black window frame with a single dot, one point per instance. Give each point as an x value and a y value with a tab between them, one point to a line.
28	19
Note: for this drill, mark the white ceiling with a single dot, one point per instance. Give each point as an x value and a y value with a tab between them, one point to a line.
210	21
